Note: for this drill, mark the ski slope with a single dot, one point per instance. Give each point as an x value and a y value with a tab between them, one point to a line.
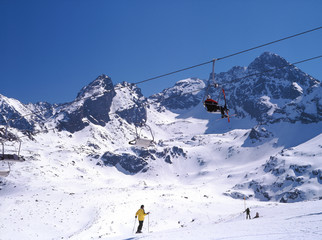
91	204
61	193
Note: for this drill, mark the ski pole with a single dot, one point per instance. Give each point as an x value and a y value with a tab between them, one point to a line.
244	202
134	225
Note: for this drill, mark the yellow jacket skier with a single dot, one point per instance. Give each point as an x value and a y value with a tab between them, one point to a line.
140	214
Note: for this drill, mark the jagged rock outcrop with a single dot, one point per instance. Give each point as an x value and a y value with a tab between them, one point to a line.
285	178
138	161
258	135
125	162
92	104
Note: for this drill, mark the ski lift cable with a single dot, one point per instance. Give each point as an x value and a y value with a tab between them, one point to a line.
269	43
200	89
194	66
231	55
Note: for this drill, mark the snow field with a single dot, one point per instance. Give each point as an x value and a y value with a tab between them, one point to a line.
61	193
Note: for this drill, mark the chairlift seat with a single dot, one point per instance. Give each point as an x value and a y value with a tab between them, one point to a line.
141	142
11	158
144	142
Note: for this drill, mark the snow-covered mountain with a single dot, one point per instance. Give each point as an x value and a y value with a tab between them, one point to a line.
282	93
77	151
21	116
270	90
183	95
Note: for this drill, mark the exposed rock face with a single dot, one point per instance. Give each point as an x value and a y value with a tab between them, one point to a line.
137	162
286	184
127	163
258	135
92	104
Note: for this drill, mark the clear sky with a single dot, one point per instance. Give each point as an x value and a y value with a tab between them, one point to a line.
50	49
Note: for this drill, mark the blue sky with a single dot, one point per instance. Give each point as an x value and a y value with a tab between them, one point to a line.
49	50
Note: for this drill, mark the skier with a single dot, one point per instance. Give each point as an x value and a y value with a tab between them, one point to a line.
212	106
257	215
247	213
141	214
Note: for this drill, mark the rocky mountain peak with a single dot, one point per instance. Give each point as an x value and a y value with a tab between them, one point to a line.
100	85
92	104
267	61
271	89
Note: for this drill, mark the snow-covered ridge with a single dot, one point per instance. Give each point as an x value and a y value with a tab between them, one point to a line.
184	94
82	180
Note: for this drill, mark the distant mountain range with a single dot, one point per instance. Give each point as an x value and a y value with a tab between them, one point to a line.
269	90
268	95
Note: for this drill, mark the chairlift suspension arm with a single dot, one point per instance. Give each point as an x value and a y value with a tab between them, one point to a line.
212	79
213	71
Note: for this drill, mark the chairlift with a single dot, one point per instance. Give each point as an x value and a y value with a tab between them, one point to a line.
9	158
211	105
141	140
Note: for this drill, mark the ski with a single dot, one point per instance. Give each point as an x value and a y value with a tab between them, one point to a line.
225	107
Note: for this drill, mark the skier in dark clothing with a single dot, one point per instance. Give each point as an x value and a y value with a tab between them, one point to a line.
212	106
247	213
257	215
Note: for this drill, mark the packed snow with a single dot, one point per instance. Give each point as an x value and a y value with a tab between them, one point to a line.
61	193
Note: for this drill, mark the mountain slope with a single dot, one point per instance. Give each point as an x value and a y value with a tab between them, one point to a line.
282	93
82	179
